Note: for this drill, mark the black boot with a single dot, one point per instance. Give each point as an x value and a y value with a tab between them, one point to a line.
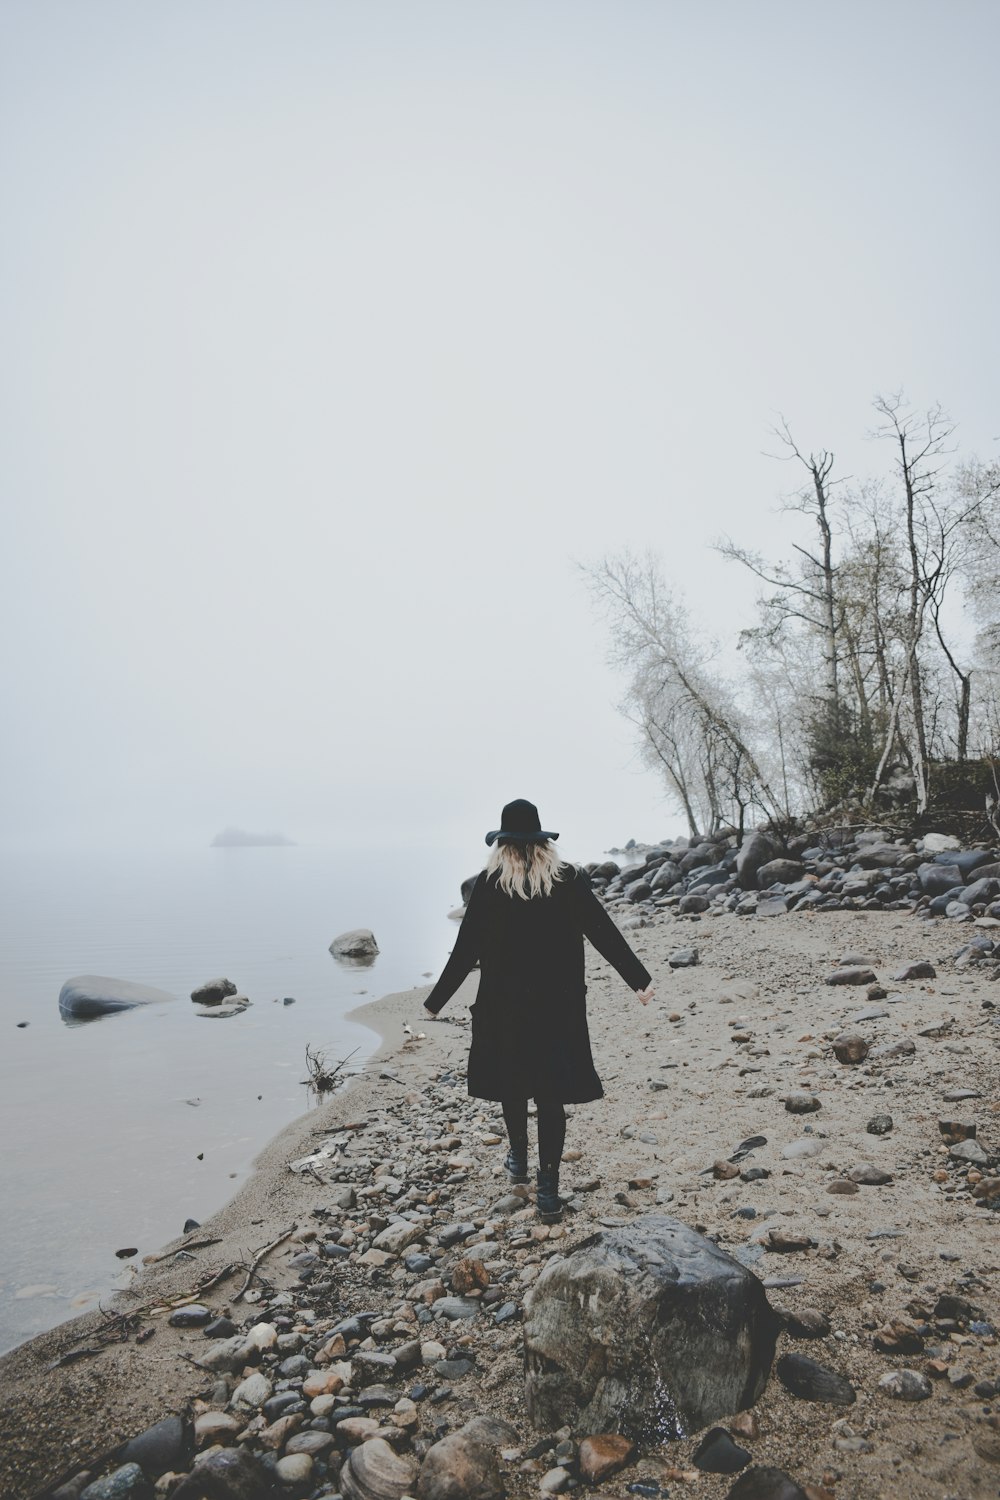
549	1202
516	1163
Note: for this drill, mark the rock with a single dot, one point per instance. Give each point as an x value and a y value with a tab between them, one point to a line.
806	1145
986	1440
374	1472
314	1443
469	1275
905	1047
194	1315
603	1454
801	1104
764	1483
494	1432
252	1392
807	1323
850	1047
868	1175
91	995
666	877
295	1472
454	1308
718	1454
227	1356
211	1427
811	1381
905	1385
724	1171
939	880
779	872
358	943
126	1483
773	906
225	1474
396	1237
843	1186
168	1444
555	1481
755	851
970	1152
694	901
784	1243
460	1468
605	1328
851	974
213	992
940	843
879	1125
683	958
920	970
745	1425
954	1131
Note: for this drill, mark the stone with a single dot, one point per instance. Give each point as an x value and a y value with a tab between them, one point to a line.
986	1440
879	1125
211	1427
494	1432
603	1454
460	1468
649	1328
842	1186
90	995
213	992
694	901
850	1047
718	1454
806	1145
957	1130
126	1483
755	851
194	1315
358	943
226	1474
229	1355
905	1047
167	1445
395	1238
295	1471
852	974
801	1104
374	1472
314	1443
666	877
868	1175
940	843
252	1392
970	1152
779	872
765	1483
455	1308
938	880
807	1323
469	1275
898	1337
920	970
905	1385
811	1381
683	958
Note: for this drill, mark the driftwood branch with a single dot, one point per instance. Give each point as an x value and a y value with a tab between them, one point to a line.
261	1255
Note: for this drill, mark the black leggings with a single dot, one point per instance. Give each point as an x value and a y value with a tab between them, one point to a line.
551	1130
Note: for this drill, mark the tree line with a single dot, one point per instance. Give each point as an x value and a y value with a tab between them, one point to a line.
857	691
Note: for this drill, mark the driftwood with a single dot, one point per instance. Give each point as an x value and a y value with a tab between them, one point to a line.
261	1255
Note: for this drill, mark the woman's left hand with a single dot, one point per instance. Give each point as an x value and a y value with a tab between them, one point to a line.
644	996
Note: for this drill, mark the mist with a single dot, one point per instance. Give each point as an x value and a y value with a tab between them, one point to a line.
337	336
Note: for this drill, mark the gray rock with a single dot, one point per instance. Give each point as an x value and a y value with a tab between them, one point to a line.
937	880
970	1152
981	889
869	1175
650	1330
225	1474
358	943
771	906
801	1104
213	992
694	901
460	1468
395	1238
905	1385
294	1473
779	872
852	974
194	1315
919	970
168	1444
811	1381
91	995
683	958
806	1145
764	1483
126	1483
718	1454
756	850
850	1047
374	1472
666	877
252	1392
879	1125
454	1308
493	1432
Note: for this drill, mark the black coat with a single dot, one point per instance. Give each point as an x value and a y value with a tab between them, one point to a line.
529	1020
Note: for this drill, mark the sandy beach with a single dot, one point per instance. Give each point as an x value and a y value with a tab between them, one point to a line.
705	1067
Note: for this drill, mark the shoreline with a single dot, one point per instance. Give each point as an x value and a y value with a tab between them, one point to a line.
705	1067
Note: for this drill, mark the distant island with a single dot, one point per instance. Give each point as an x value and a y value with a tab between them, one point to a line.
237	838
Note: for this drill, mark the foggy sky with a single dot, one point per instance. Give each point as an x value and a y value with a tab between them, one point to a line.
336	334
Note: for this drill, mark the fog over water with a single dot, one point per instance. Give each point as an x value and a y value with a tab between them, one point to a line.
336	334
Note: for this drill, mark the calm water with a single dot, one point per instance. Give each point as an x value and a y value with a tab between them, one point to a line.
117	1130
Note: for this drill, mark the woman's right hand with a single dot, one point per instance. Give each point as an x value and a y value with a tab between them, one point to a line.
644	996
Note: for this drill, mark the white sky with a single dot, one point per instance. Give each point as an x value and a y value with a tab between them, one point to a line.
334	333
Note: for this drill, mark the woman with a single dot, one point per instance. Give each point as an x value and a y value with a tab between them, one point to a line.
524	925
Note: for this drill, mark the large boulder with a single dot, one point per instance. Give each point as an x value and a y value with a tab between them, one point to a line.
779	872
666	876
213	992
90	995
651	1331
756	849
358	943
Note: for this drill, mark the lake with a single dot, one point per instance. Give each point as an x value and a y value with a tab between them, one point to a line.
119	1129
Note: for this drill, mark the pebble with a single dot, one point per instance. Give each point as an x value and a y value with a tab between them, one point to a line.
602	1455
905	1385
802	1104
252	1392
806	1145
127	1481
194	1315
879	1125
294	1470
869	1175
850	1047
718	1454
683	958
852	974
811	1381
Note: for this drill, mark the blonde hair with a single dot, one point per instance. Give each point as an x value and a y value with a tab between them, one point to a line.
526	870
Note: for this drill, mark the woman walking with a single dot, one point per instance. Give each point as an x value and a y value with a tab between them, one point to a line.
524	925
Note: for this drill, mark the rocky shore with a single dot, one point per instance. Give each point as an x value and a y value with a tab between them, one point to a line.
815	1096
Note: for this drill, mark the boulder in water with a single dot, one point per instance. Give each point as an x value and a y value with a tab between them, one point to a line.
358	943
91	995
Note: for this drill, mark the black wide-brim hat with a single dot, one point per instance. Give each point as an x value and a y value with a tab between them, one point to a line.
519	824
